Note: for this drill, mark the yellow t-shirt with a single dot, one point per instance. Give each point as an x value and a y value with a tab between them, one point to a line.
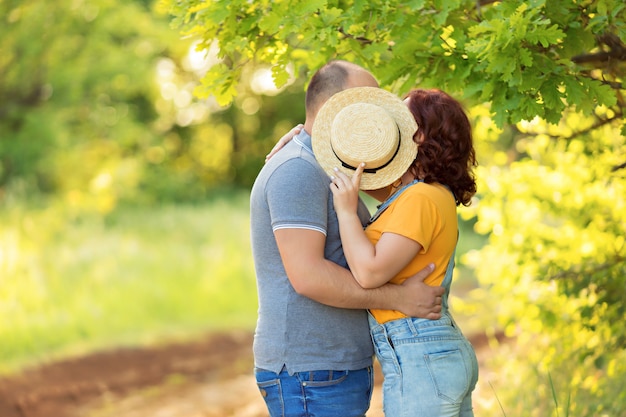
425	213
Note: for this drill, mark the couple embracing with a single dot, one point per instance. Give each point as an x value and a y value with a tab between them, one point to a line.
336	285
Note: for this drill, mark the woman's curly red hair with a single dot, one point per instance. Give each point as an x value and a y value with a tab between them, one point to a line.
446	153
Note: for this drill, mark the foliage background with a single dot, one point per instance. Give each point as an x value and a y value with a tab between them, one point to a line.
116	136
544	80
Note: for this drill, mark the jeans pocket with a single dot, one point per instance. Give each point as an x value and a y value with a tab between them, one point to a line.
386	355
449	374
271	391
323	378
334	393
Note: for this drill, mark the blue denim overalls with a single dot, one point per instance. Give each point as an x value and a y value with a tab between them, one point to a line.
429	367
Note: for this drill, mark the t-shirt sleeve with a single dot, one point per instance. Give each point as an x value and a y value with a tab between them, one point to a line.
415	216
297	197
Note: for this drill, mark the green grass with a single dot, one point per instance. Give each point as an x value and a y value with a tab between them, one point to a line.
71	285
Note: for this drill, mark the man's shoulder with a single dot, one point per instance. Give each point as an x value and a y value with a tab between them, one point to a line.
294	168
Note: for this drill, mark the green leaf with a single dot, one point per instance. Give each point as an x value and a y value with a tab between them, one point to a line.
271	22
574	91
280	75
525	57
220	81
550	94
305	8
216	13
415	5
602	93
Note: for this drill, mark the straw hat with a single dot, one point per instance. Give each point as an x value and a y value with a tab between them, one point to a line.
365	124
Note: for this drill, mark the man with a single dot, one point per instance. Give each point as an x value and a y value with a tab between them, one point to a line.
312	349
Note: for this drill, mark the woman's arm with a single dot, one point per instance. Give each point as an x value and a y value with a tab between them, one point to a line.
284	140
315	277
371	265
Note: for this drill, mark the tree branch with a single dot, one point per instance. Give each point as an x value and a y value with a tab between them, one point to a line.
618	167
598	123
617	51
361	39
485	2
575	272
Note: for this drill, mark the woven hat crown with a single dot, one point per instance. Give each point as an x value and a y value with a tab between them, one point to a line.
364	132
365	124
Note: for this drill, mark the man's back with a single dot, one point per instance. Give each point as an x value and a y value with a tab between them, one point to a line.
292	191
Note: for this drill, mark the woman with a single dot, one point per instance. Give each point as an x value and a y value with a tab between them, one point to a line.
429	367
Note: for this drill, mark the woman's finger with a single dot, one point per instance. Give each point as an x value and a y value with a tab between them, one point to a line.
341	178
358	173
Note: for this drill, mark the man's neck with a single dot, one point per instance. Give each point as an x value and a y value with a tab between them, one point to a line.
308	126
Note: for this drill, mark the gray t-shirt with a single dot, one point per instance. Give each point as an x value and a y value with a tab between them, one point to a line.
292	191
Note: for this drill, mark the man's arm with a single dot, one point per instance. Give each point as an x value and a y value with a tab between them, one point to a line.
313	276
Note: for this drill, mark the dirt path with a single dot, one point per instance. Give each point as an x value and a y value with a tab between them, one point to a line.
209	377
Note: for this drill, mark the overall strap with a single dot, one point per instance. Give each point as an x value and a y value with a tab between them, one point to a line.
383	206
447	280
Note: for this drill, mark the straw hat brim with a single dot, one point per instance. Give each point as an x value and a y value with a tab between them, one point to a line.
390	104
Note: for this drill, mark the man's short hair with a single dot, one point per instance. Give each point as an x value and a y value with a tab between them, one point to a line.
328	80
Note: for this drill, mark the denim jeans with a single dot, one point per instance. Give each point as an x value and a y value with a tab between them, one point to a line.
429	367
316	393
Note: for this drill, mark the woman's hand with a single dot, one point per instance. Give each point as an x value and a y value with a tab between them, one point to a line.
346	190
284	140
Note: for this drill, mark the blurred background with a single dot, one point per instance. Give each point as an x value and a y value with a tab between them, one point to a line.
124	210
123	198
